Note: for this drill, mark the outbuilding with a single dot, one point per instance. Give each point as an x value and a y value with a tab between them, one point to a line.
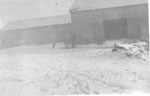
36	31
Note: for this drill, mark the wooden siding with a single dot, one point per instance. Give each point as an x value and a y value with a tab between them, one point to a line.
36	36
137	21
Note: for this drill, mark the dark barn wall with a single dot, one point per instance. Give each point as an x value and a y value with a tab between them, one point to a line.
10	38
90	24
47	34
36	36
86	26
63	33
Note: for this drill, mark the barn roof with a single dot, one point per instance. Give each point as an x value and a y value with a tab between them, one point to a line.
80	5
38	22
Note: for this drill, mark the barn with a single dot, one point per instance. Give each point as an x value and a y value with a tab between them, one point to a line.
89	21
97	20
36	31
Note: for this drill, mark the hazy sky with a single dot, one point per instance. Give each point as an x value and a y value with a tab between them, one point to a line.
11	10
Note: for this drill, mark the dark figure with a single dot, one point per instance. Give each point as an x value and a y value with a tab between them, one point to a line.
73	41
100	41
66	44
87	40
53	45
54	40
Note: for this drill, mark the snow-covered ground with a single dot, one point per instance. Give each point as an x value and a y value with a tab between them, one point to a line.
42	71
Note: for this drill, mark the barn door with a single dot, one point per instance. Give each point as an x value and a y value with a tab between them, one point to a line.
115	28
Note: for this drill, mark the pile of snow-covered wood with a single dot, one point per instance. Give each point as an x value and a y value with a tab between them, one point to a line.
138	49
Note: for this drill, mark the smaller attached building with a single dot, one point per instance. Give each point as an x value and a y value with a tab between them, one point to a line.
36	31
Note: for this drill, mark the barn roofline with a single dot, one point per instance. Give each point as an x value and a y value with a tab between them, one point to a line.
37	22
105	6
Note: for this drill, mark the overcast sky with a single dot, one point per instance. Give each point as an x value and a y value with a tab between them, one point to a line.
11	10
